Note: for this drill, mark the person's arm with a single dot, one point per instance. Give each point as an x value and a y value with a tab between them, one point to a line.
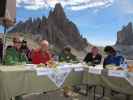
86	58
107	61
34	57
119	60
29	54
74	58
61	58
9	58
98	59
89	60
104	63
50	56
24	58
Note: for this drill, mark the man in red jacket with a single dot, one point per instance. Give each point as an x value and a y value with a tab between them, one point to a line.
41	55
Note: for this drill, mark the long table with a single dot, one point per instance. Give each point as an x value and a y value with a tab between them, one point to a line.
17	80
120	81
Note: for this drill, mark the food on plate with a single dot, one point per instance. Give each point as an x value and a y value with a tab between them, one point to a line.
52	64
119	68
41	65
111	67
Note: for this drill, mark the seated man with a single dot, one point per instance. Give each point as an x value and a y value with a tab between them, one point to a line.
112	57
93	57
14	55
67	55
41	55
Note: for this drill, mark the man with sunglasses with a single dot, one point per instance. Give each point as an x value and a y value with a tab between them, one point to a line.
14	55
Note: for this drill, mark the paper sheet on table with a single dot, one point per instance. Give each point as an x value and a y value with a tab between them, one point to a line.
117	73
43	71
58	76
95	71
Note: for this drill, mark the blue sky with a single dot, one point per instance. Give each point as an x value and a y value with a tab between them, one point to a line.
99	24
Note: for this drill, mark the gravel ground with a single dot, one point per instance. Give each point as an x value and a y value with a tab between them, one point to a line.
58	95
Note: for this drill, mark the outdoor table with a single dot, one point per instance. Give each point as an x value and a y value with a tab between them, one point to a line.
119	81
92	78
18	80
92	75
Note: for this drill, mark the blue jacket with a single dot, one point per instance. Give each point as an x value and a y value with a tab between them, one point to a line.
113	60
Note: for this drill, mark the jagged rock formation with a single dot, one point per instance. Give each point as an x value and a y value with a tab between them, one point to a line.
125	36
125	41
57	29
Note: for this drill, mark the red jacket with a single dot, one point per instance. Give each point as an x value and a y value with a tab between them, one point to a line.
39	57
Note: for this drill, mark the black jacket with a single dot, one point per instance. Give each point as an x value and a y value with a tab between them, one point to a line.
89	59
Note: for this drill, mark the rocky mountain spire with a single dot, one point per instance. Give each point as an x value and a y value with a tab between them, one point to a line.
125	41
57	29
125	36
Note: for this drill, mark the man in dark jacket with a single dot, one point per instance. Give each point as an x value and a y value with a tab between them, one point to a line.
93	57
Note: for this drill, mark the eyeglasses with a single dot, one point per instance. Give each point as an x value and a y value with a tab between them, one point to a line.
17	42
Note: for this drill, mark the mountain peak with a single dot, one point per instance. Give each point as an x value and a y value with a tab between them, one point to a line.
130	25
57	29
59	11
125	36
125	41
58	6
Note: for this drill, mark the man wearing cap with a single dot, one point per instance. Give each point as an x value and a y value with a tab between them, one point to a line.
14	55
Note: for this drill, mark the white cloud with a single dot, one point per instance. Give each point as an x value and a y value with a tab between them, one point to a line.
72	4
32	4
91	4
